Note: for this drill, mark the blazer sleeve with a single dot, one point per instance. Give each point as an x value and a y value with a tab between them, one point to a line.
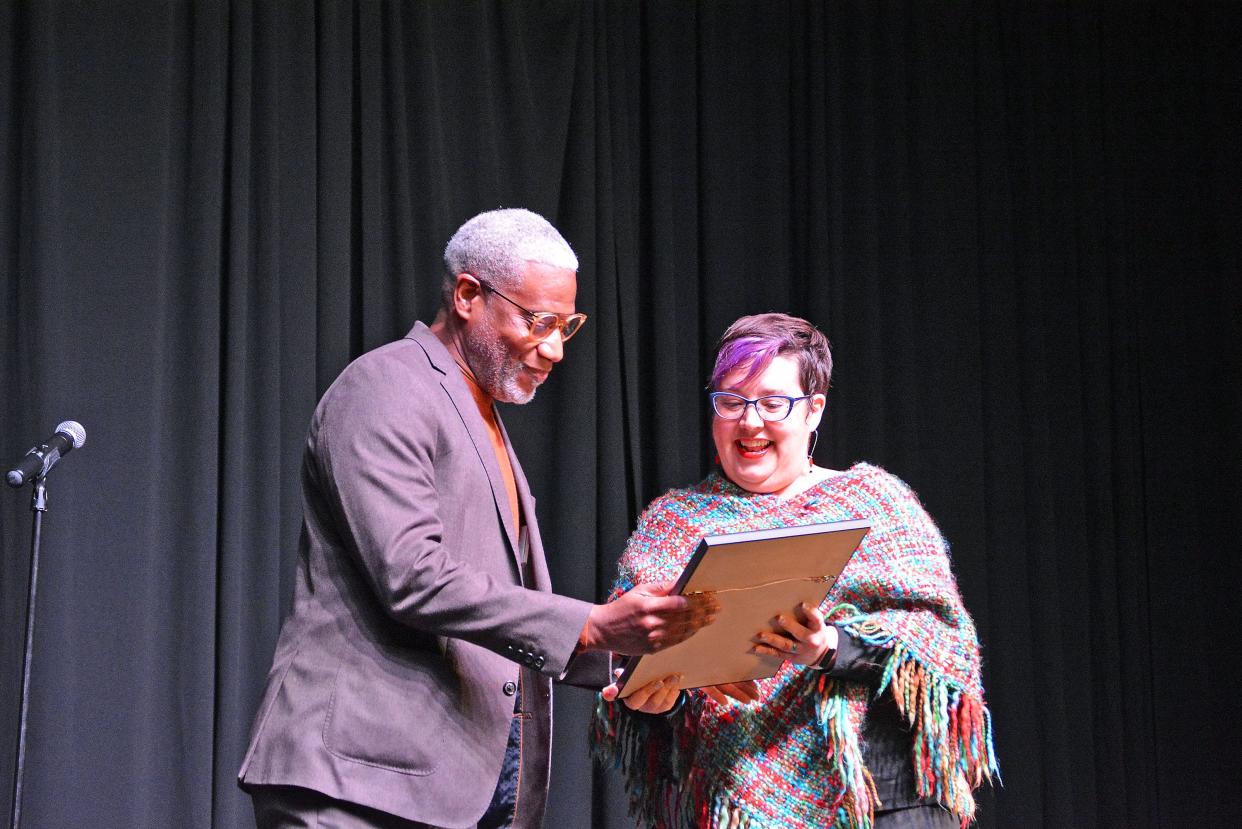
377	443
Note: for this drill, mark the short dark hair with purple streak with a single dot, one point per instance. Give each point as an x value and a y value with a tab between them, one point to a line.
756	340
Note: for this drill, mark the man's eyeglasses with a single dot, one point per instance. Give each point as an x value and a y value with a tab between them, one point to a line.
770	407
543	323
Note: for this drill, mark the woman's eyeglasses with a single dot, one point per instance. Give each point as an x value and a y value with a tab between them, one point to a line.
770	407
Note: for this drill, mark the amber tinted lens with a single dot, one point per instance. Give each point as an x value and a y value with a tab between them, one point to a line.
572	324
542	325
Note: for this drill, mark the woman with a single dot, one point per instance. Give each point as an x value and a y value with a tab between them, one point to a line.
876	717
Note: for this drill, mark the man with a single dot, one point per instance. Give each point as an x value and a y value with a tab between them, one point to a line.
411	685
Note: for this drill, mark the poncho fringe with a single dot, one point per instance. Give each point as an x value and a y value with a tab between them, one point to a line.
952	755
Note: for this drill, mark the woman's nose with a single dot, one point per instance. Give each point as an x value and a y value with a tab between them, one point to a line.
750	416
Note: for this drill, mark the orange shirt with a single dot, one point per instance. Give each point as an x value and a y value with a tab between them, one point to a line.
488	411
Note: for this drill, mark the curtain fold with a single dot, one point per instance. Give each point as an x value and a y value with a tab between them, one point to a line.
1018	224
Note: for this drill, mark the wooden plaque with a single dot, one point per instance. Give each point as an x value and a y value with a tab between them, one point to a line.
754	575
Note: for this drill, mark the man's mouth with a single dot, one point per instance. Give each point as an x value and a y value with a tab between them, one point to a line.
752	448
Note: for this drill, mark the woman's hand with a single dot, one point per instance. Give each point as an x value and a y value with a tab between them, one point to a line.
744	692
803	641
657	697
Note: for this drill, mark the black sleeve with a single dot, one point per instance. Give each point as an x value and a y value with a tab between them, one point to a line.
588	669
854	659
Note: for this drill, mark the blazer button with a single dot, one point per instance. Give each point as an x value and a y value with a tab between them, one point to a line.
510	689
538	662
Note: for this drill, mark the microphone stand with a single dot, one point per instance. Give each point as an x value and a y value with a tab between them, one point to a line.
38	506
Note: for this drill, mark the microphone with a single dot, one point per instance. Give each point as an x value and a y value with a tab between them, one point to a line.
40	459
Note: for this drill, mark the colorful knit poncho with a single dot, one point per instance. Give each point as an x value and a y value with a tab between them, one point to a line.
792	760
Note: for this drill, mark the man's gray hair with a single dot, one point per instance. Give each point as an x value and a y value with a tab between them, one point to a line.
495	246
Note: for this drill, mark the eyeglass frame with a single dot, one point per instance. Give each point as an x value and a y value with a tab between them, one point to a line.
561	319
793	401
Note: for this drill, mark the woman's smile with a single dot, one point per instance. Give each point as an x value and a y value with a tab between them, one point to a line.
751	449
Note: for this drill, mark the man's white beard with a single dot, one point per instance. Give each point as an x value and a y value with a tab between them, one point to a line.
494	368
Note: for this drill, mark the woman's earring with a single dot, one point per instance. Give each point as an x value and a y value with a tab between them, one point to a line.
810	453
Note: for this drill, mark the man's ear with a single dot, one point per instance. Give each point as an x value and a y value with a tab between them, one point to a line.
465	292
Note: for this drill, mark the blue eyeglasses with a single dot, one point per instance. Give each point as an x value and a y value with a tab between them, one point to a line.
770	407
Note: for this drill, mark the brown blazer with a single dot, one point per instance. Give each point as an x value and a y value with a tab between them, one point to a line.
392	684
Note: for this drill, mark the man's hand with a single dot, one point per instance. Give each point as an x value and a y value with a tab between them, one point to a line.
646	620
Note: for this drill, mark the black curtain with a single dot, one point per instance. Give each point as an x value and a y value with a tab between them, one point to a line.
1017	223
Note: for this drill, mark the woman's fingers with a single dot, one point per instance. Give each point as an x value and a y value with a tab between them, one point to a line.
745	691
639	698
795	628
668	696
655	697
812	617
610	692
802	640
776	644
664	698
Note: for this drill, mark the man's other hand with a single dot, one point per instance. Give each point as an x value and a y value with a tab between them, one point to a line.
646	620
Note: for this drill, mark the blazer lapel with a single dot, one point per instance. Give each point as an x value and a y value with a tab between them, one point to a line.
526	502
455	385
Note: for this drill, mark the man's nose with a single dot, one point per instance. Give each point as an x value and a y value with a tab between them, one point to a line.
553	347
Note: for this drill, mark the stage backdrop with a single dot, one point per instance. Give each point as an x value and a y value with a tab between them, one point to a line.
1018	223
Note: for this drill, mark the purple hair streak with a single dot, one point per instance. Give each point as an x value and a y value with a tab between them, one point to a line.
757	351
754	341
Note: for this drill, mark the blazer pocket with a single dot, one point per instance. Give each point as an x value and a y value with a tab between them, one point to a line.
389	716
